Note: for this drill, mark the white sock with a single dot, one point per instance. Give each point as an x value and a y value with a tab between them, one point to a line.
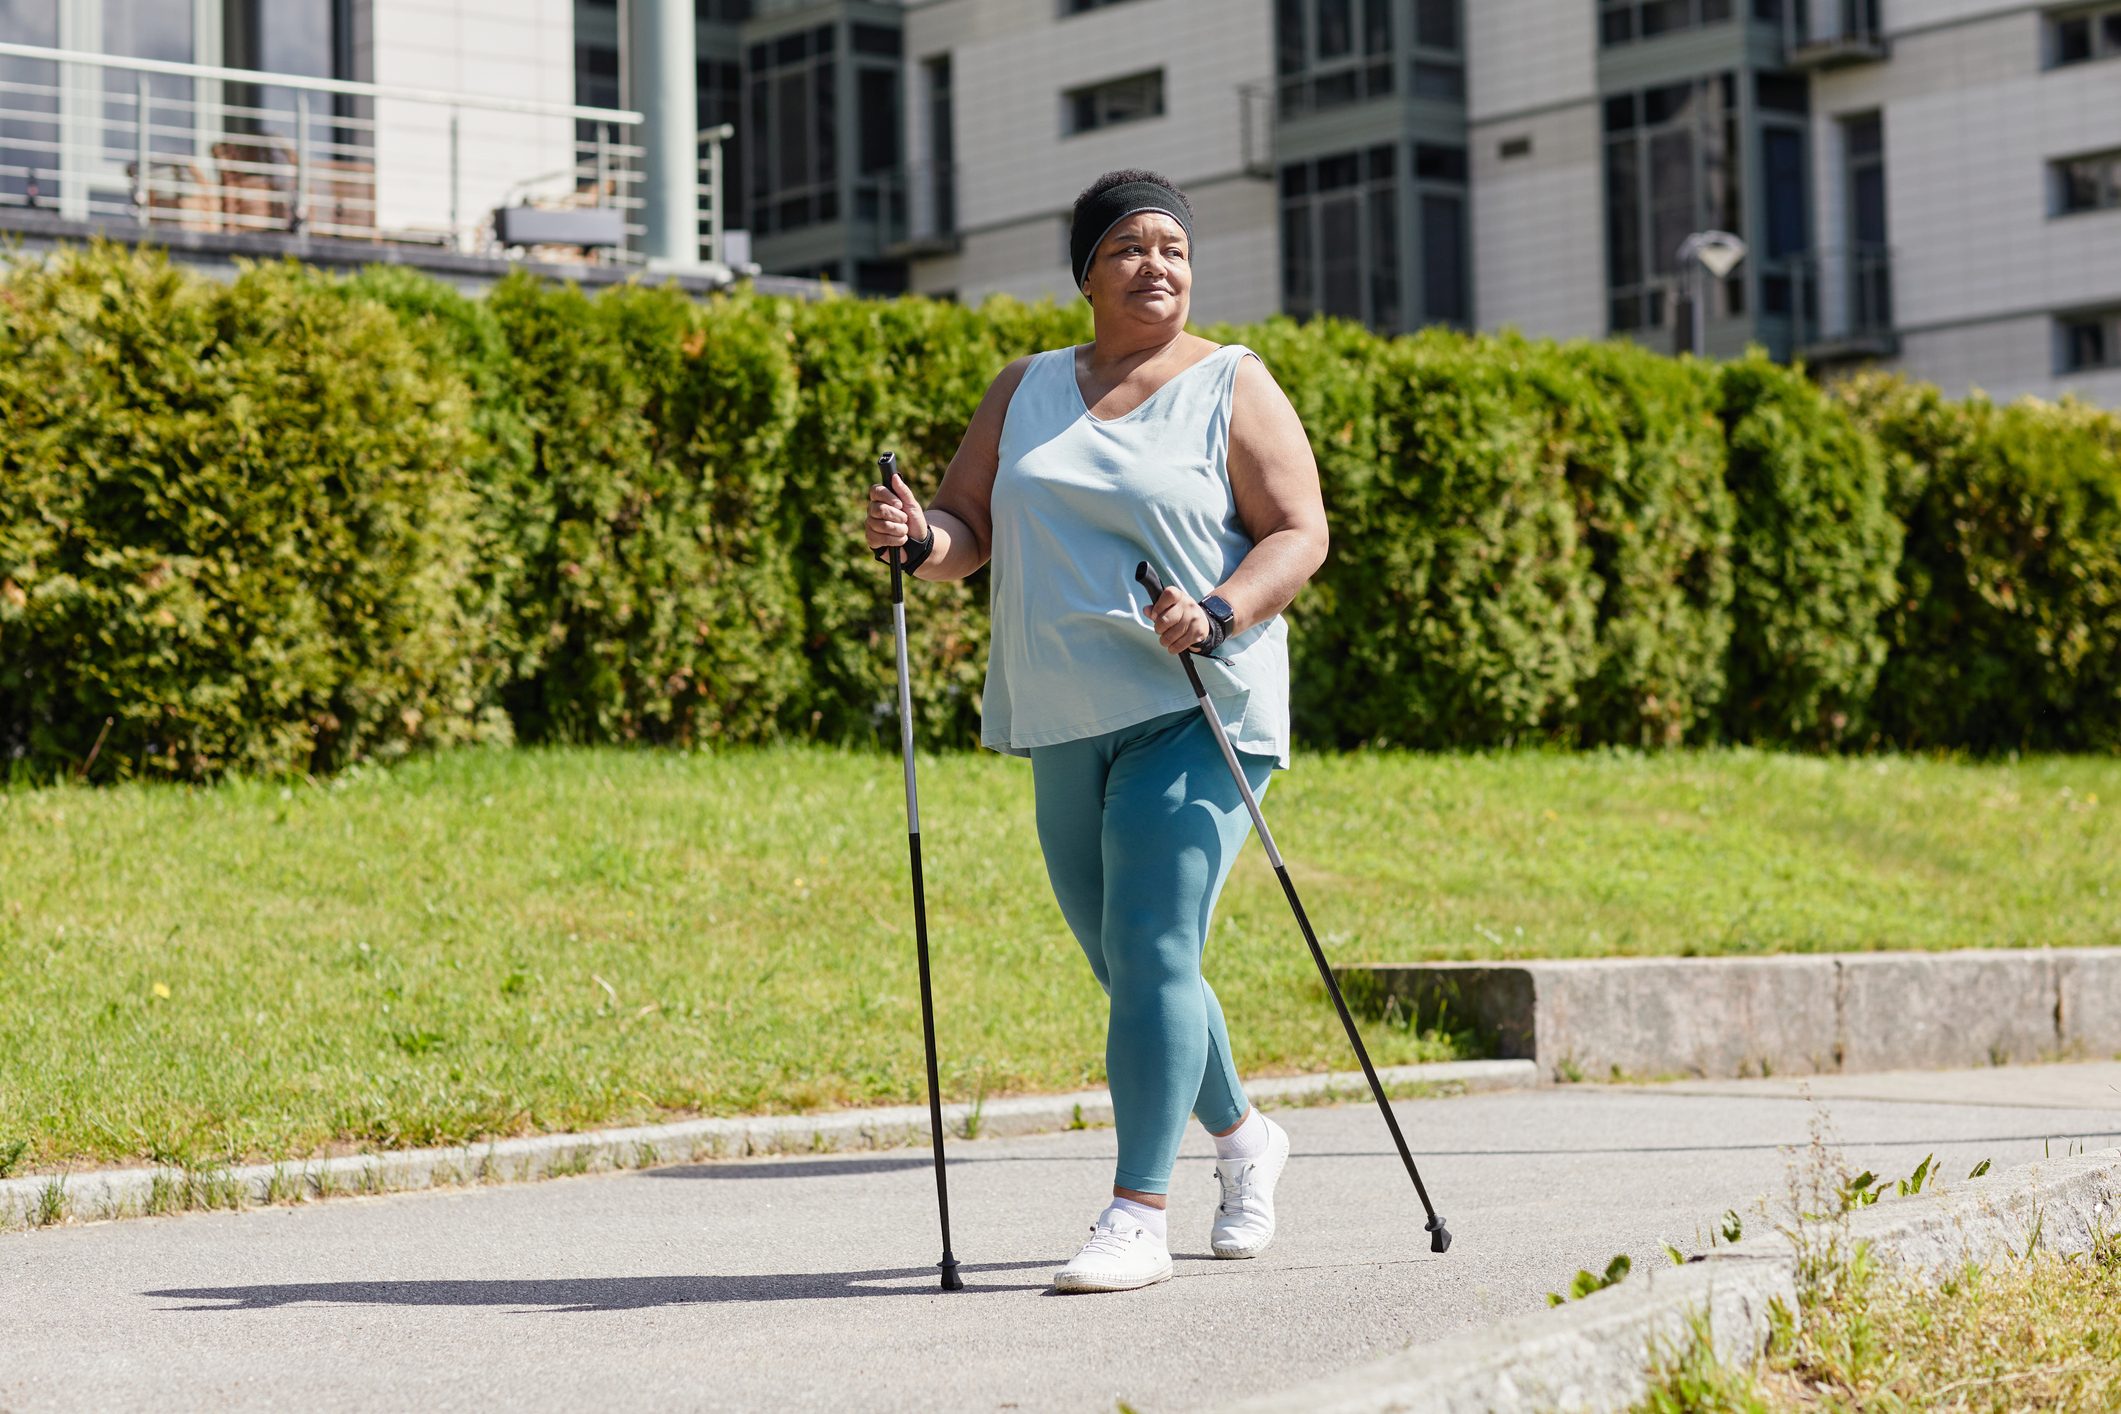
1150	1218
1247	1141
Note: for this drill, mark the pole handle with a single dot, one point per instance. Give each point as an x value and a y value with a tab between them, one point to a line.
1150	580
886	468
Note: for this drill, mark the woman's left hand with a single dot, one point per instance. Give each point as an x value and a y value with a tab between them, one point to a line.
1179	620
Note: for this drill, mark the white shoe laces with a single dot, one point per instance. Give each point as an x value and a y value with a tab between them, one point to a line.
1236	1188
1111	1241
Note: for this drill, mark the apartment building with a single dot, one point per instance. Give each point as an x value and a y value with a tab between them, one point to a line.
443	133
1017	105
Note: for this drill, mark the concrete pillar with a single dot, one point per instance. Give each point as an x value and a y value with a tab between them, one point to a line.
660	43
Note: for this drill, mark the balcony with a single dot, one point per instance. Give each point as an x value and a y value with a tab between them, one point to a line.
1843	304
237	162
918	210
1832	34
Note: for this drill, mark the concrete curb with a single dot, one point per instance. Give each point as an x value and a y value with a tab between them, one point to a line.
1793	1014
1594	1354
116	1193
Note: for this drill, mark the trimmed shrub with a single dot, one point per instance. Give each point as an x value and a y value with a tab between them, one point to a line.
1460	610
902	376
658	592
2007	632
1813	559
1646	465
234	520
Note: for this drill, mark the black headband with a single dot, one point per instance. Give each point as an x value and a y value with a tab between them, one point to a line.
1095	218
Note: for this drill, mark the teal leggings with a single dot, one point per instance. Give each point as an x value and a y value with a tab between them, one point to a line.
1140	827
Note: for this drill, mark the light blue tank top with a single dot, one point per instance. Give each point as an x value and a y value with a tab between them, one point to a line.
1078	502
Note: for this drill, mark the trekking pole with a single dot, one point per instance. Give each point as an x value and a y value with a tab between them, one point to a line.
1439	1235
887	466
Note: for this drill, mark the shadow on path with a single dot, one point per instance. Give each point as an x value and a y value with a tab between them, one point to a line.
569	1294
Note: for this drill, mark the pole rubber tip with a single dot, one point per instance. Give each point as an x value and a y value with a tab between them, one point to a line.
951	1280
1439	1235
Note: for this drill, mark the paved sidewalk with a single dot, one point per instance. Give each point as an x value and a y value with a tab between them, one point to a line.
806	1283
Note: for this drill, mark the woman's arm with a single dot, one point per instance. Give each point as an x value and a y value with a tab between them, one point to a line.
1275	481
962	513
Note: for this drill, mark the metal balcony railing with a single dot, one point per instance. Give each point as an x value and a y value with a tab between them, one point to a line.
1843	306
1828	34
172	146
916	209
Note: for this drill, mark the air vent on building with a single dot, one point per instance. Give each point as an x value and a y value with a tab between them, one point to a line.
1515	147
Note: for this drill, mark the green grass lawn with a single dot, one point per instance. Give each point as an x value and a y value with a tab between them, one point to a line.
495	943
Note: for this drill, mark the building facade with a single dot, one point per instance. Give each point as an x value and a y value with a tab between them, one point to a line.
1017	105
1928	185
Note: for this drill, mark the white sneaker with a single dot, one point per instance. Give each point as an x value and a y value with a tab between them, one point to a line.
1120	1256
1244	1219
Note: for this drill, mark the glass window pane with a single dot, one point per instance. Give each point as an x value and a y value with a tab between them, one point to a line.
1782	164
1617	25
1623	214
1436	24
1674	208
1384	259
1377	26
1336	29
1664	16
792	128
1297	260
1443	258
2081	181
1337	171
825	80
1620	113
2110	33
2073	40
1288	36
1332	90
1444	81
1340	249
1715	12
879	113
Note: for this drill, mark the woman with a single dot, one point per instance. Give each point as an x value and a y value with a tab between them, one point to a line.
1147	443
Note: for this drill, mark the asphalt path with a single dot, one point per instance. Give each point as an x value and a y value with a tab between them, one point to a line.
808	1283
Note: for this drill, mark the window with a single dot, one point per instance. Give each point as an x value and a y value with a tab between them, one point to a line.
1077	7
877	91
1436	24
2087	183
725	12
2085	35
1870	291
790	146
1671	169
1625	21
942	147
1332	52
884	40
1126	100
1340	237
2088	342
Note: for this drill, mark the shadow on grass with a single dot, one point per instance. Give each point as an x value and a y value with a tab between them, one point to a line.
581	1294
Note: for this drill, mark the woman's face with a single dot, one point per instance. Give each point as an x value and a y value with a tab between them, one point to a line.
1143	271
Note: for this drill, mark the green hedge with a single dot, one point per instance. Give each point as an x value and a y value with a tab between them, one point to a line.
235	525
296	521
2007	630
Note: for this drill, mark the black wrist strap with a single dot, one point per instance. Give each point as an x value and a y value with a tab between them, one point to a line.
1216	634
917	551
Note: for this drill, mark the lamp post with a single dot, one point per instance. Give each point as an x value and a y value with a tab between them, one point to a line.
1701	255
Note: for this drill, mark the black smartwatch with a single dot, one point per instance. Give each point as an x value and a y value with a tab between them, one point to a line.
1220	617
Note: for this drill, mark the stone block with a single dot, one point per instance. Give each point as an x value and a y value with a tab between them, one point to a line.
1933	1011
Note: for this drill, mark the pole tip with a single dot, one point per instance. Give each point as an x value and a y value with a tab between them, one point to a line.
1439	1235
951	1280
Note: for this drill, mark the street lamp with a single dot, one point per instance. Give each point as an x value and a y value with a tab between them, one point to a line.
1705	254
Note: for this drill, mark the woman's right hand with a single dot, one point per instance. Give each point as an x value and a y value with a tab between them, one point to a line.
894	516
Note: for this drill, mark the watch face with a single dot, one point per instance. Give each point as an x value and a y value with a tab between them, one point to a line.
1218	608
